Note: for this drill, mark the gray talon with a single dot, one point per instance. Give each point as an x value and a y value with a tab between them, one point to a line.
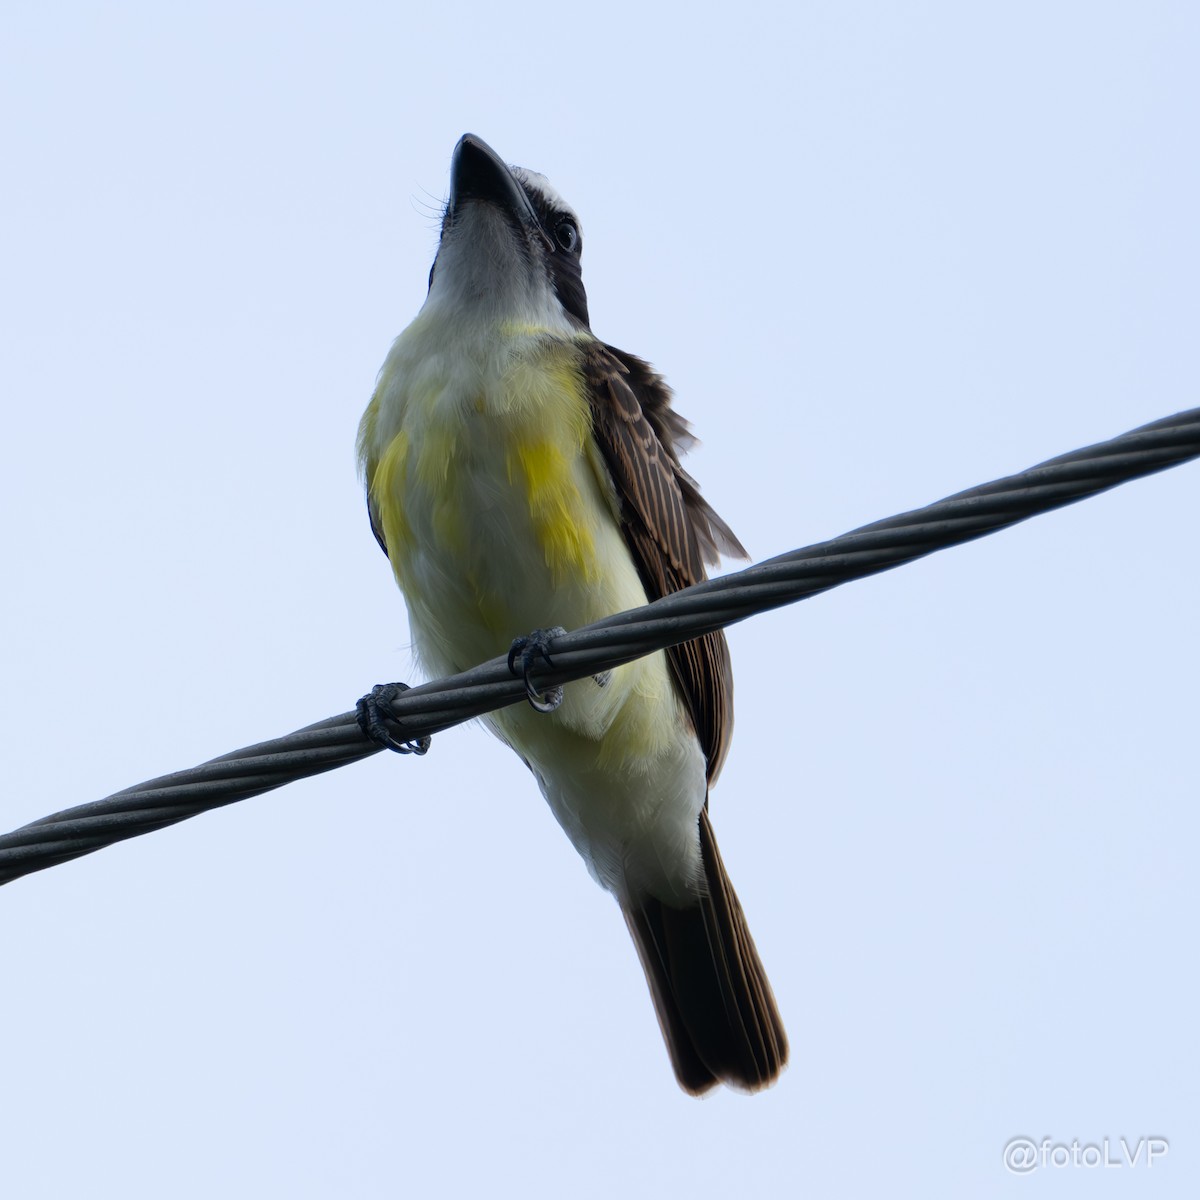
528	650
373	714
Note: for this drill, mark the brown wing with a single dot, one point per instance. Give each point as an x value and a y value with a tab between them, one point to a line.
670	529
376	523
368	461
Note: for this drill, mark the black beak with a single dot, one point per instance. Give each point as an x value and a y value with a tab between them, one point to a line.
477	172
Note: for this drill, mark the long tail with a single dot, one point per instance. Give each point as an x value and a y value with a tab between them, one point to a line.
714	1003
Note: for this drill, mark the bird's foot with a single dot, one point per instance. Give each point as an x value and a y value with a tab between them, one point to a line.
528	650
373	714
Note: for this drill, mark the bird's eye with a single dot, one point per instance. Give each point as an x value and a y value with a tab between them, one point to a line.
566	235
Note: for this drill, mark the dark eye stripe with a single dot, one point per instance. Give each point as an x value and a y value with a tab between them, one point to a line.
565	269
550	217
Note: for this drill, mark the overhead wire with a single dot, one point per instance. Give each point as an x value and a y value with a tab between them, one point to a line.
432	707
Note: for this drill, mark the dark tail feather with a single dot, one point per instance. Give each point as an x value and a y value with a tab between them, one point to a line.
714	1003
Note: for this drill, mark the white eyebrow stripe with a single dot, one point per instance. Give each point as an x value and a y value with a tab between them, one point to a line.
534	182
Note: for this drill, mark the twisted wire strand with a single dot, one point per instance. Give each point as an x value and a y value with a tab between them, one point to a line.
618	639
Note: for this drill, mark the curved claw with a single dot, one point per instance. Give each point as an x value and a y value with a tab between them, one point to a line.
373	714
529	649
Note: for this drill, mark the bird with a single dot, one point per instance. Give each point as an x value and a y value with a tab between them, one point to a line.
524	477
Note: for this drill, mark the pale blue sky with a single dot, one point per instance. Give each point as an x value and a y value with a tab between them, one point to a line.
883	252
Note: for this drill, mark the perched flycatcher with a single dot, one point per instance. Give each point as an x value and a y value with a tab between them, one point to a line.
523	475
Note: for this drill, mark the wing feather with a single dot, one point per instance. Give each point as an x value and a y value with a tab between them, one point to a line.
670	529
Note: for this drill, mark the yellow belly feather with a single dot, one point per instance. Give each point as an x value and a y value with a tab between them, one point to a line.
499	517
539	418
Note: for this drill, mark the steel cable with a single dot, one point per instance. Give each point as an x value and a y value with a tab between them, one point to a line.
711	605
